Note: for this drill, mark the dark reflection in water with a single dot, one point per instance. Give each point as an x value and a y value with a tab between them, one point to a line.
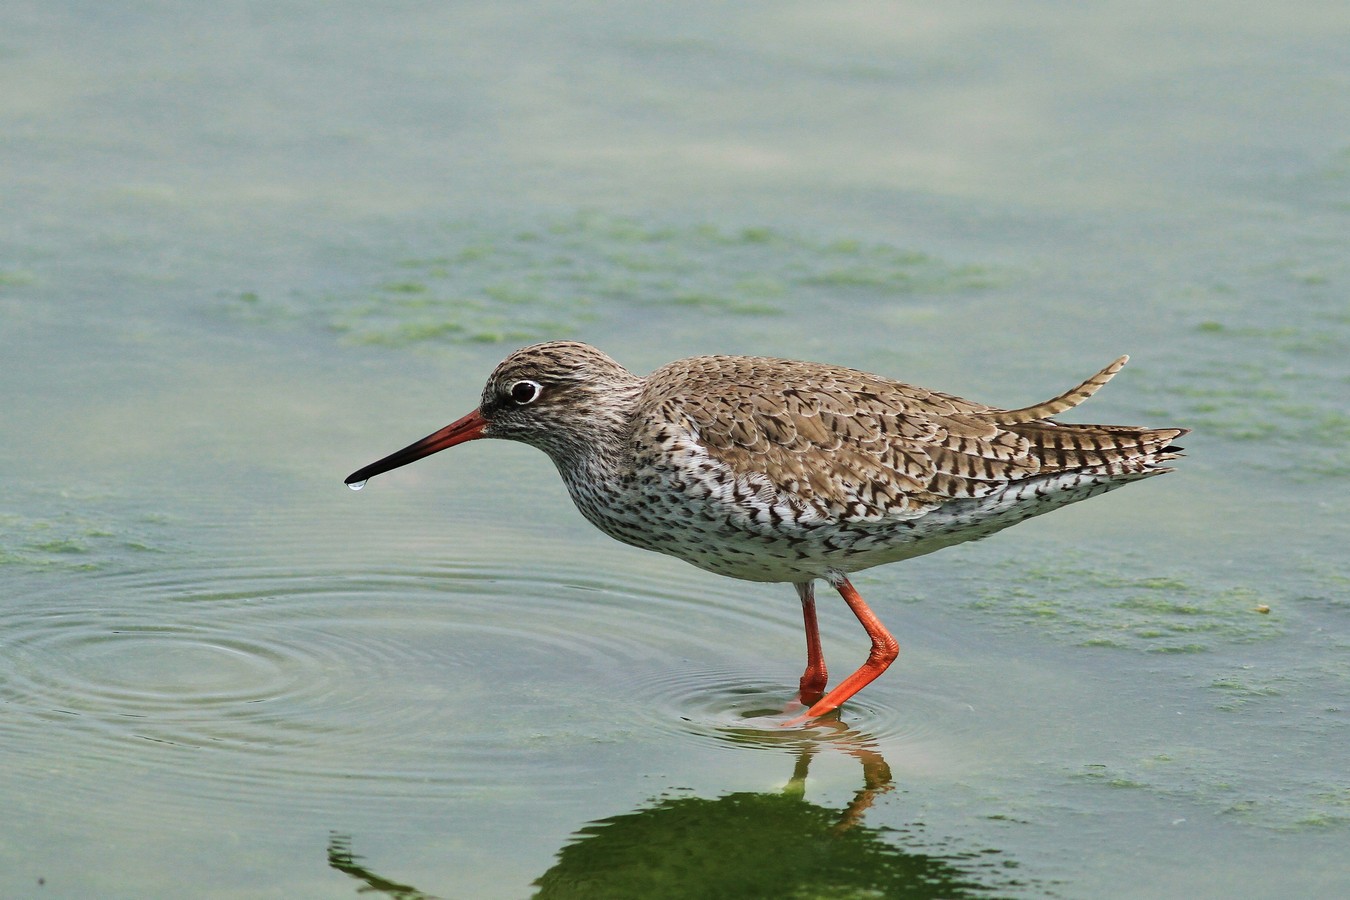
341	857
748	844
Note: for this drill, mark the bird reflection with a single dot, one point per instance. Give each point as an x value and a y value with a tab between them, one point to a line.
341	857
826	733
753	844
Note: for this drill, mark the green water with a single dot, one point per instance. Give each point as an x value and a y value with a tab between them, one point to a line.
248	248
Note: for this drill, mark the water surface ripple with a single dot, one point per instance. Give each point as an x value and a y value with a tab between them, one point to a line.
224	680
230	680
735	706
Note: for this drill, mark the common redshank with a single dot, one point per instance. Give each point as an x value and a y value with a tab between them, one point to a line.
784	471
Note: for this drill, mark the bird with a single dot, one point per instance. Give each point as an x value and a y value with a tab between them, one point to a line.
786	471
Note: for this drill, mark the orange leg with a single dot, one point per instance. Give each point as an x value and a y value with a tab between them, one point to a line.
884	651
812	685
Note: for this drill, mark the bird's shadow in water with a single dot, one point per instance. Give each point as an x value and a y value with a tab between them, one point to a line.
753	844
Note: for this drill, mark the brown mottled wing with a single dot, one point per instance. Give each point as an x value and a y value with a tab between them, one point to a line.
854	446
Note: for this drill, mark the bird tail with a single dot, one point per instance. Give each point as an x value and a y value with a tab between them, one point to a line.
1102	449
1056	405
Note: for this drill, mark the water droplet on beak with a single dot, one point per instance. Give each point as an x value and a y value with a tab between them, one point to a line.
357	485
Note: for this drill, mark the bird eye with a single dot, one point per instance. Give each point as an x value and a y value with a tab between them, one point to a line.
526	392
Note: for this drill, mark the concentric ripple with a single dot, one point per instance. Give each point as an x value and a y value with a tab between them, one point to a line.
134	669
230	678
406	681
731	707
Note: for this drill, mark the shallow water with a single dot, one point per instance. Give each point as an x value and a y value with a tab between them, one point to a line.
247	251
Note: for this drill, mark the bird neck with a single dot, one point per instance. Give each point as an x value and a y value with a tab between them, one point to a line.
596	448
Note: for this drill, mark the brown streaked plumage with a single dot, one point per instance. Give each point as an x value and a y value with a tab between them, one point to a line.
785	471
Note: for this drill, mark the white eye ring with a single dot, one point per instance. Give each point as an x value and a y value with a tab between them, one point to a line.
525	392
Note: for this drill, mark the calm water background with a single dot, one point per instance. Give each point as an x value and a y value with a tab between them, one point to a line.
248	247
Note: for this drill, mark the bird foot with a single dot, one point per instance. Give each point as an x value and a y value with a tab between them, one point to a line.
805	705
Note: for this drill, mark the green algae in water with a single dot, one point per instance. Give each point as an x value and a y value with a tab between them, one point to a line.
1102	604
1277	799
78	534
552	281
1272	384
16	278
1241	689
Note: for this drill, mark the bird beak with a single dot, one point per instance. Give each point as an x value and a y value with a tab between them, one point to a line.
466	429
